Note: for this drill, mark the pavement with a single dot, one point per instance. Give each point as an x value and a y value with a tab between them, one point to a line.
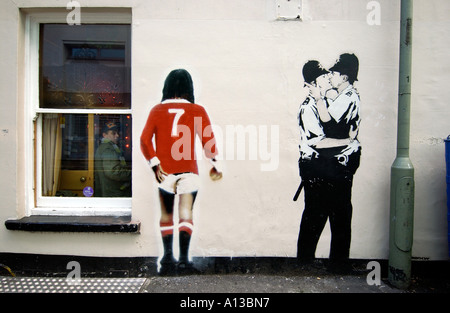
263	284
211	284
260	276
256	285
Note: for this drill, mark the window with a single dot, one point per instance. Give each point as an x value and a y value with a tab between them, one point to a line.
79	79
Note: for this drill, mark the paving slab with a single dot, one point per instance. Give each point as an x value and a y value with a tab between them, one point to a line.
261	283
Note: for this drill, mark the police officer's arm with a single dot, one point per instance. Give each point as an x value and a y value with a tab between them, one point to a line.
322	109
332	143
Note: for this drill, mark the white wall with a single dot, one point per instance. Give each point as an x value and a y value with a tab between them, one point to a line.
247	71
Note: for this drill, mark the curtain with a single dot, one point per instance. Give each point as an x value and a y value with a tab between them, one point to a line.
51	153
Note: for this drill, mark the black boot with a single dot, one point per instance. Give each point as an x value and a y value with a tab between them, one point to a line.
168	262
184	266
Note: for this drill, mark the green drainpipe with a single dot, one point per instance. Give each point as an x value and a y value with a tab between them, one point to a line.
402	170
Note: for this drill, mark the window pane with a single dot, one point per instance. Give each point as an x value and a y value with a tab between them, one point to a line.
85	66
85	155
112	158
75	150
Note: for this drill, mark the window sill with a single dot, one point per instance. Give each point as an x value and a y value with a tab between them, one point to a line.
102	224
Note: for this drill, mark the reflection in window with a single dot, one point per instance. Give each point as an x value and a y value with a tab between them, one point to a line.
85	66
112	165
85	51
86	155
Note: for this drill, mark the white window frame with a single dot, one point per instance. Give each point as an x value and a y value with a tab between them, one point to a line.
36	204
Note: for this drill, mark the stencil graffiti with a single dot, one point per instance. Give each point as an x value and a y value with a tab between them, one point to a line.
329	120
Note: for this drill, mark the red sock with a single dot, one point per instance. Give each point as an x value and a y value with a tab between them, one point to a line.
166	228
186	225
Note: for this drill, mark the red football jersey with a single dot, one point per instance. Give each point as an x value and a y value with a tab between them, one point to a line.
174	124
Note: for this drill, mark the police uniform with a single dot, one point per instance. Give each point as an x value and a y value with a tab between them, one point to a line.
327	175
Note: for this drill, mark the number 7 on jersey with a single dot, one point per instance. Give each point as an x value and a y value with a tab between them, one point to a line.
178	113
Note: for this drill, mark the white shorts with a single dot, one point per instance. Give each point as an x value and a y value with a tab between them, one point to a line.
181	183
